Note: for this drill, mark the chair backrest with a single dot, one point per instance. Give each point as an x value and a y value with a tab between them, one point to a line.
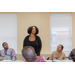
48	58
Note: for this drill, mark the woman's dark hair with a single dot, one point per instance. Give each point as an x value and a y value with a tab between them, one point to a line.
62	46
30	30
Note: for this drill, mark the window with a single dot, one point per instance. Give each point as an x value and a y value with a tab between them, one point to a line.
61	32
8	30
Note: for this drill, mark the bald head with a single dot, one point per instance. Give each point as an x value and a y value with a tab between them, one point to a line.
29	54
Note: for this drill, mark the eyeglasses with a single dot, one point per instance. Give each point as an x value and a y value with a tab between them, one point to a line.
59	47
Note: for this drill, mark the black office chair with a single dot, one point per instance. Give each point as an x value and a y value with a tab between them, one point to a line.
48	58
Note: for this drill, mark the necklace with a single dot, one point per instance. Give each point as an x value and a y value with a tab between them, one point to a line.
57	55
32	38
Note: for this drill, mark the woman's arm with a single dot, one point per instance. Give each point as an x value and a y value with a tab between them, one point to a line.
25	41
39	45
51	56
64	57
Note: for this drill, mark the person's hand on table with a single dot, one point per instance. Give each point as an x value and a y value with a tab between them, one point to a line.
37	56
24	59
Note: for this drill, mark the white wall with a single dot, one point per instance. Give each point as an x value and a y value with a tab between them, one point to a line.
8	30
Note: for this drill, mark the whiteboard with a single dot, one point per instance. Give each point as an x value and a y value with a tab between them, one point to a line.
8	30
61	32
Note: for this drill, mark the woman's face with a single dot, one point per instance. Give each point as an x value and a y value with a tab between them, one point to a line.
33	30
59	48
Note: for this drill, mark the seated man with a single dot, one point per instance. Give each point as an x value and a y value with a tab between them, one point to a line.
29	55
7	53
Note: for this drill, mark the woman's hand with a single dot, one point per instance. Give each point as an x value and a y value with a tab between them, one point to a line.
24	59
37	56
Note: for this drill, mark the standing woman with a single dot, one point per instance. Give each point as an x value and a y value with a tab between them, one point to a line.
33	40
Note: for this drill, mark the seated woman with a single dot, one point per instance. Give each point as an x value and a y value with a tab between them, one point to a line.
72	55
58	54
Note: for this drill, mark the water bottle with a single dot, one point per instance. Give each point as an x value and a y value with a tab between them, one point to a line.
55	60
13	58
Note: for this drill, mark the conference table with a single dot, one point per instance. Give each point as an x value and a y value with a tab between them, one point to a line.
11	61
45	60
59	61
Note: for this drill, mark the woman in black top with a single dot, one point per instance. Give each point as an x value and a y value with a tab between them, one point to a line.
33	40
